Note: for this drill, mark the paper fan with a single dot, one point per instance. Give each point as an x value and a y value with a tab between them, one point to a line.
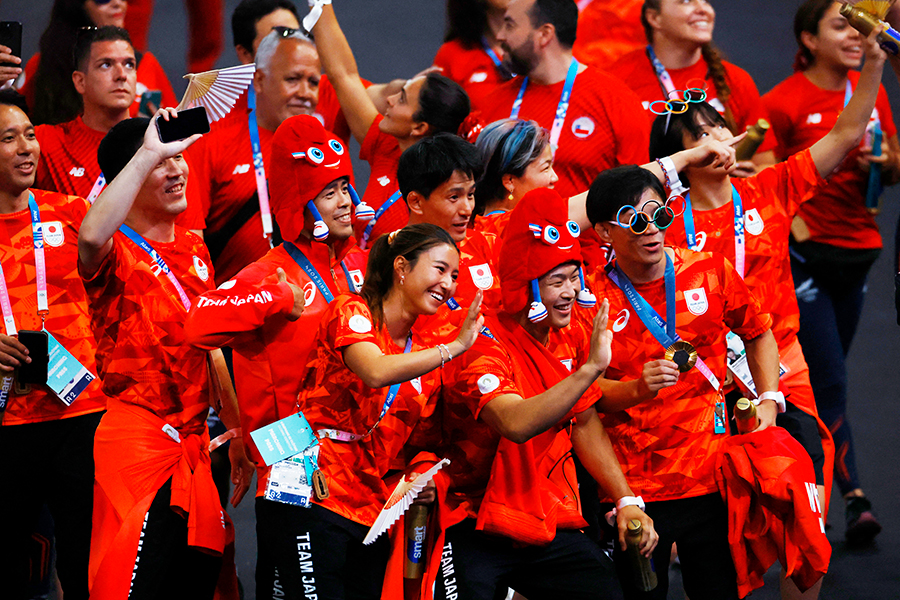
878	8
400	500
217	91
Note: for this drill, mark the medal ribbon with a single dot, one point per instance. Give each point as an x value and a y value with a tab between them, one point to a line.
144	245
262	186
98	187
561	109
663	331
313	274
739	237
665	80
346	436
381	210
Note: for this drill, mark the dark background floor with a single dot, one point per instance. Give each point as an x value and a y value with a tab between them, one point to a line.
396	38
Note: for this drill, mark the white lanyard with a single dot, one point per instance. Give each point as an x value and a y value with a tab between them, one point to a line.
40	265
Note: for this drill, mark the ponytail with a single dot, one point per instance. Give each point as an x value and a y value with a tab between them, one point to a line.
409	242
716	72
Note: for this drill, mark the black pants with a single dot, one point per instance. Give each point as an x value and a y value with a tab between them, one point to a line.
317	554
48	463
700	528
166	566
478	566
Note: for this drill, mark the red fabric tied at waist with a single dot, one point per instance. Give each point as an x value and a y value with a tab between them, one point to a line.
134	456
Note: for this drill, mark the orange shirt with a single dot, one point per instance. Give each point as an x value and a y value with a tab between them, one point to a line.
801	114
222	191
494	223
150	76
69	321
770	200
138	320
382	153
608	30
636	70
248	313
68	158
480	375
335	398
666	445
471	67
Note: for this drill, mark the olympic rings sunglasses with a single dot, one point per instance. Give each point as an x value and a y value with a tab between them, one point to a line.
662	215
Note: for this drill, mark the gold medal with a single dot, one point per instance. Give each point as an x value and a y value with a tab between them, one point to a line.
683	354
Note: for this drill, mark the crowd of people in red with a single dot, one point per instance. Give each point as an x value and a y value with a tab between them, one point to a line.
531	329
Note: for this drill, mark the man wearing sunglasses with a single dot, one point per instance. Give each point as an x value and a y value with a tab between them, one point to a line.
662	392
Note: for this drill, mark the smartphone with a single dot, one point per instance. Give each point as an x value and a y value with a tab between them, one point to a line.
38	352
187	123
11	37
153	97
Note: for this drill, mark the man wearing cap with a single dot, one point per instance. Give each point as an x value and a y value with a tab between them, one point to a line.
515	407
268	312
662	393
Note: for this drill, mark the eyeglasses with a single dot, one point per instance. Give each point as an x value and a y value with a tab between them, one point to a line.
661	215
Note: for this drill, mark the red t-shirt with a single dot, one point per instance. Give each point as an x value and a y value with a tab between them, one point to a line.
636	70
608	30
603	128
150	76
68	158
667	445
335	398
770	200
138	320
221	183
471	67
382	153
480	375
494	223
248	313
68	321
801	114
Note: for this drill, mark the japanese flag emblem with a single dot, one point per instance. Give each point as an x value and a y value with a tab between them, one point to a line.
356	277
753	223
201	268
54	234
696	301
482	276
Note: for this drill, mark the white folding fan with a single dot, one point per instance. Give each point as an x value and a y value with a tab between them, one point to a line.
217	91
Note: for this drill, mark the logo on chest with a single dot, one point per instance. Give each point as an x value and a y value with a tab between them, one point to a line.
583	127
621	320
478	77
241	169
77	172
753	223
482	276
696	301
201	268
54	234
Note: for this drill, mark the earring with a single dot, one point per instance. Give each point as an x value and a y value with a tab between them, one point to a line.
402	279
510	197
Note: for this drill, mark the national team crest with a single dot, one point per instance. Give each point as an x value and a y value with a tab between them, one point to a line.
356	277
478	77
482	276
583	127
201	268
54	234
753	223
696	301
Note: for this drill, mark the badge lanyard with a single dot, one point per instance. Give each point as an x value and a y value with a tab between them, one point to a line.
313	274
40	265
665	80
739	237
493	55
155	256
663	331
381	210
262	187
346	436
561	109
98	187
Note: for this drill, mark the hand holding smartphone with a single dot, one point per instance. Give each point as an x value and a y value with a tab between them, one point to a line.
187	123
11	37
37	343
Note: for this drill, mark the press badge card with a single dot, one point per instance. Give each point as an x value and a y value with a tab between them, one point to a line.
65	375
737	363
290	480
284	439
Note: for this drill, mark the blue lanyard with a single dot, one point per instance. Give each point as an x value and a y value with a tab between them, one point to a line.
493	55
381	210
392	391
690	231
561	109
495	212
262	186
313	274
144	245
665	80
663	331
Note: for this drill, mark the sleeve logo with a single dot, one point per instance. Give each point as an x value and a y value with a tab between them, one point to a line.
488	382
696	301
360	324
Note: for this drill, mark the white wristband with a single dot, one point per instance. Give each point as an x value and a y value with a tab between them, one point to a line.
622	503
778	397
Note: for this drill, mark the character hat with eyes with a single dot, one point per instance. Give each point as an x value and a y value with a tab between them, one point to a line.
305	159
538	238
